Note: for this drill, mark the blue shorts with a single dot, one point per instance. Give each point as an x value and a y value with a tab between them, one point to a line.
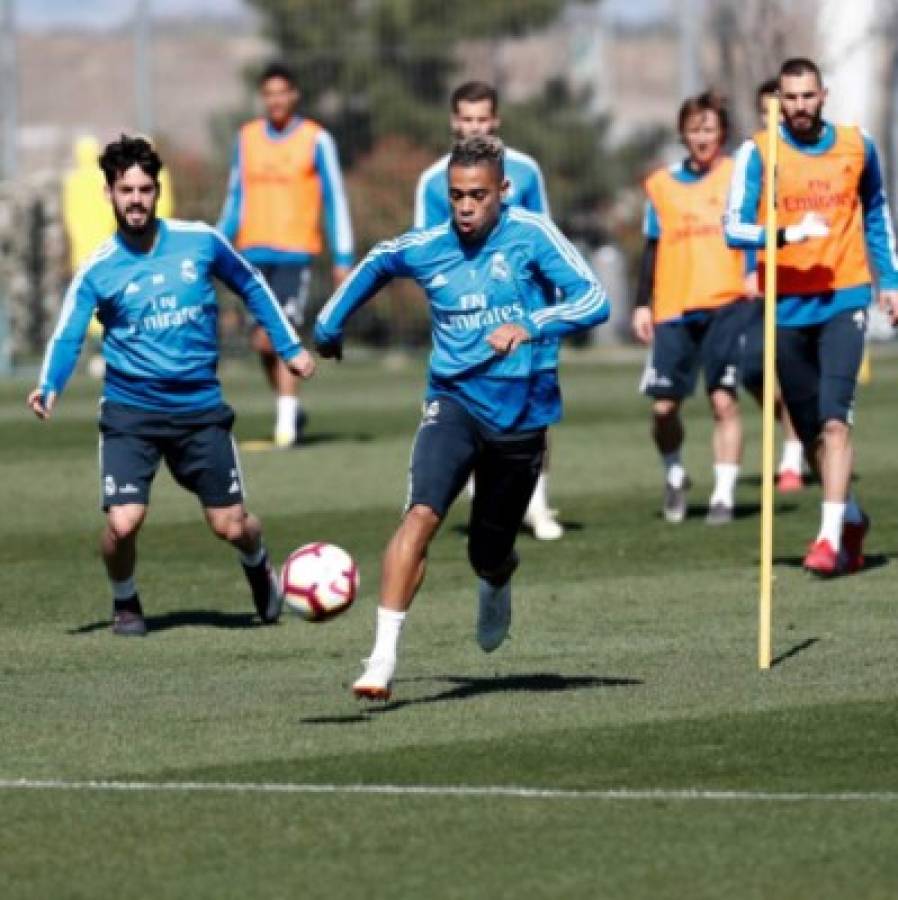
817	366
752	364
711	340
450	446
197	448
290	284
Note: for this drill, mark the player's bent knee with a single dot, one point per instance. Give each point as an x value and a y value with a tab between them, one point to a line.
228	524
836	429
421	520
724	404
665	407
125	521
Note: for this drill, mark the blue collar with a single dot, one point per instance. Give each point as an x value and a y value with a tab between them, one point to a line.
275	135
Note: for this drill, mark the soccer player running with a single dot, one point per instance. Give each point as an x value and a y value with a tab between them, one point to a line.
789	472
696	317
835	220
285	174
151	285
475	111
503	285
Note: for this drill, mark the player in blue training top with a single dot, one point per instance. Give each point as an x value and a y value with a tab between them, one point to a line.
836	223
151	285
503	285
475	111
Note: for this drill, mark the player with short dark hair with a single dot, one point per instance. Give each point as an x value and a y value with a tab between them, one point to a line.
151	286
503	285
690	305
835	221
285	177
475	111
789	476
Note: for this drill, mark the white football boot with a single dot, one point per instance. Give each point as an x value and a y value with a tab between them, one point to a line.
544	525
376	682
493	615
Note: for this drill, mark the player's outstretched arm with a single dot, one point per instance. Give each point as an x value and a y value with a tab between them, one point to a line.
382	264
245	281
65	345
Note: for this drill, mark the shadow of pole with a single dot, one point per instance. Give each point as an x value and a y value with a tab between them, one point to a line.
793	651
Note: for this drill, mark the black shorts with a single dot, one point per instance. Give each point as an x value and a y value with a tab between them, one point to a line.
290	284
450	446
752	364
712	341
817	367
197	447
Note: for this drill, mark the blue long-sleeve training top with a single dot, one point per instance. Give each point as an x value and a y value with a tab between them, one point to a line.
526	188
524	272
159	313
742	230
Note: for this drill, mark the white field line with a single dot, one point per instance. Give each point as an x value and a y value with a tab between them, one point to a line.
426	790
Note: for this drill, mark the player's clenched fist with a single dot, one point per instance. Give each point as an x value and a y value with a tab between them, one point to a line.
302	365
41	405
507	338
642	324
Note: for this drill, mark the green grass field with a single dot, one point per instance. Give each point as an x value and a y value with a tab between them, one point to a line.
632	666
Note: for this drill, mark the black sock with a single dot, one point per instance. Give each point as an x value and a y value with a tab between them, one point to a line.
131	604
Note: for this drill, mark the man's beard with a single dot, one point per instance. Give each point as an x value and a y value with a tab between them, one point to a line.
811	126
131	230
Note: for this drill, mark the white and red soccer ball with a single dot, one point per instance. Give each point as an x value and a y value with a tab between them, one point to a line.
319	581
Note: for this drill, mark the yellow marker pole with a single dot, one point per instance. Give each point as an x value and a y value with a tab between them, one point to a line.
766	593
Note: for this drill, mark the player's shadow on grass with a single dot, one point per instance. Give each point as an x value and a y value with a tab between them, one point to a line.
332	437
465	687
754	479
740	510
871	561
208	618
567	524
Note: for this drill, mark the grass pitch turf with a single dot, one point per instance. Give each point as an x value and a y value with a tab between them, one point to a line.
632	665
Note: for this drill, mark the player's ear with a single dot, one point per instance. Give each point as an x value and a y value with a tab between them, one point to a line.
107	191
504	187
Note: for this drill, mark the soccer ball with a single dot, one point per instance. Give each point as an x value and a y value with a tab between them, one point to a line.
319	581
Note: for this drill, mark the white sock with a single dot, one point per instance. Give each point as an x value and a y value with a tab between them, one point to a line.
253	559
673	469
386	636
287	408
539	504
725	477
831	523
123	590
853	513
792	459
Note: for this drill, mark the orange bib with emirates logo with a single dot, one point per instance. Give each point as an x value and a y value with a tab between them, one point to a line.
827	184
694	268
282	198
